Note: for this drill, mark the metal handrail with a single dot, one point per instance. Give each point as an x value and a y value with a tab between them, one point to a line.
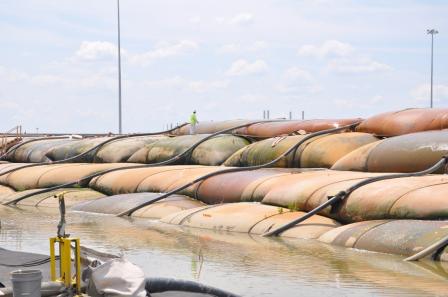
13	132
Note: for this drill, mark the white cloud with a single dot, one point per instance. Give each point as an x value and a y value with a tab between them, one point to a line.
74	79
164	50
298	88
296	79
296	73
195	86
243	67
258	45
201	86
328	48
12	75
367	103
194	20
357	65
254	98
220	20
94	50
344	103
342	62
100	78
9	104
173	82
47	79
33	48
233	48
242	19
422	92
88	113
98	50
230	48
376	99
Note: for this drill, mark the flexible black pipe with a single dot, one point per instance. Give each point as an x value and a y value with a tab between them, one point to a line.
30	263
15	147
96	147
344	194
159	284
239	169
100	145
166	162
430	250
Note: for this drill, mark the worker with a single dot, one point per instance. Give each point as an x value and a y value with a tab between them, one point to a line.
193	122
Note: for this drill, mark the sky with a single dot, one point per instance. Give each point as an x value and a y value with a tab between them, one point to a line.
225	59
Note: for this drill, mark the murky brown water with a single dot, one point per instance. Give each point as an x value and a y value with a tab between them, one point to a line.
248	265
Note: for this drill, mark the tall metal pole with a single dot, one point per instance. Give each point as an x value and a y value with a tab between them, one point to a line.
432	65
119	71
432	32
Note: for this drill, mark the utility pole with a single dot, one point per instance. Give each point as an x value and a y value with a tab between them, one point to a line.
432	32
120	130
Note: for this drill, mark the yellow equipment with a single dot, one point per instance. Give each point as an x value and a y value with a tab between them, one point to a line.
64	243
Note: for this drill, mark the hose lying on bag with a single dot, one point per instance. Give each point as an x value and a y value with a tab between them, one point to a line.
166	162
333	200
16	146
238	169
28	264
96	147
157	285
433	249
100	145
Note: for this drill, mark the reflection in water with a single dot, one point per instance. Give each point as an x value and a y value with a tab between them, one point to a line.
197	260
248	265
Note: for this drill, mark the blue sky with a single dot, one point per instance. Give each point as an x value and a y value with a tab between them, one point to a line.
226	59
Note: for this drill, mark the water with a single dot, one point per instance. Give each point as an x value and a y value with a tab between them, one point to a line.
243	264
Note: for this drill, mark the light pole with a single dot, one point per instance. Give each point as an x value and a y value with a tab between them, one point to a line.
432	32
119	71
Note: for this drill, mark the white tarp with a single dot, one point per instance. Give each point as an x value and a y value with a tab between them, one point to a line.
116	277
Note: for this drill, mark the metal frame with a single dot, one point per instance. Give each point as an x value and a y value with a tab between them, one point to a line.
65	262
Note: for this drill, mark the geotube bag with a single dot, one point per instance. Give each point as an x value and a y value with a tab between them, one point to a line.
116	277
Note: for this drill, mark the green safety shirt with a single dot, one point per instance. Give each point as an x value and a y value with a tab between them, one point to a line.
193	119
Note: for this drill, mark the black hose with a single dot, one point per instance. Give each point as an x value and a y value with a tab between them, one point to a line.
100	145
166	162
433	249
96	147
239	169
15	147
30	263
159	284
333	200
